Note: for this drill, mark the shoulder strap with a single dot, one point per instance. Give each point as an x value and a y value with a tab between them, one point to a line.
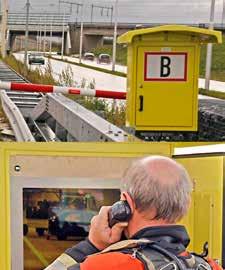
126	244
142	249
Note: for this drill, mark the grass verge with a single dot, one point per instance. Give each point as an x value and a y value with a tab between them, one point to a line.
34	76
212	93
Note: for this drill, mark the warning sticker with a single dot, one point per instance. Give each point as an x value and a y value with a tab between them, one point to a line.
165	66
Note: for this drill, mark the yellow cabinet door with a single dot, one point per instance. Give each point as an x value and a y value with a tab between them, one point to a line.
166	88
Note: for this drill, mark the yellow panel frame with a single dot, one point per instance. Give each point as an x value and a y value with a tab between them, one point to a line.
196	168
8	150
205	219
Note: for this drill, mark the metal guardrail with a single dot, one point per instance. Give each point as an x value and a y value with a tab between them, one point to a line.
17	122
76	122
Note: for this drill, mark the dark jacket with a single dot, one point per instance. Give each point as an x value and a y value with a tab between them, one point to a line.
174	238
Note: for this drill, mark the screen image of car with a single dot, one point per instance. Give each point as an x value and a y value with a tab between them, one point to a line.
36	58
56	219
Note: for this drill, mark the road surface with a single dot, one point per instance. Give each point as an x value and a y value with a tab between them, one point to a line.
38	249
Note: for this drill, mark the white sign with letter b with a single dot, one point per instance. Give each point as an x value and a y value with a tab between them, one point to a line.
165	66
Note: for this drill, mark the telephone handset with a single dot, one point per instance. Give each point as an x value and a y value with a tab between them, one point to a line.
119	212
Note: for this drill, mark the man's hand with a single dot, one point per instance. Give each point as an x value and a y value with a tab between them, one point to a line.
101	235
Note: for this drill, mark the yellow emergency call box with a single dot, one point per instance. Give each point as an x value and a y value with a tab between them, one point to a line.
162	80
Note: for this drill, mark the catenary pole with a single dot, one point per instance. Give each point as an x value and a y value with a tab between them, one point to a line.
45	35
81	32
50	45
26	32
63	35
115	36
4	11
209	47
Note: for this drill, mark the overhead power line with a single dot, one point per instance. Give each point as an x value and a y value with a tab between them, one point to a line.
77	5
109	11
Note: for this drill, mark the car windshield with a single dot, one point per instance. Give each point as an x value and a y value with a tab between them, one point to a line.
105	56
36	55
74	215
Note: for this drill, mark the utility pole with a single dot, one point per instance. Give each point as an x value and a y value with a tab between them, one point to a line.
50	45
40	37
115	37
27	32
45	34
111	17
63	35
4	10
59	6
223	14
209	47
92	7
81	33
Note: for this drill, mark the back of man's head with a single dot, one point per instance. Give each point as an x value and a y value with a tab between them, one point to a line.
160	184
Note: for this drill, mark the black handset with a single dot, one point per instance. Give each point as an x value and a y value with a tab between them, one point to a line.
119	212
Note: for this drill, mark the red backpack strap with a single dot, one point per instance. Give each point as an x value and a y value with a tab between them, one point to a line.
214	265
111	261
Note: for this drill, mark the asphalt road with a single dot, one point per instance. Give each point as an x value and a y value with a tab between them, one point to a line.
38	250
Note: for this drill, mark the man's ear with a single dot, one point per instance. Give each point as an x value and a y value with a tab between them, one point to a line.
126	197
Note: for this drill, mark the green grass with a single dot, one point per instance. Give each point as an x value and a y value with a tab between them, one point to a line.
34	76
114	114
218	61
212	93
121	53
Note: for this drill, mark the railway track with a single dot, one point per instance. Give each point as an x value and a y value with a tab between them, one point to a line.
13	102
53	117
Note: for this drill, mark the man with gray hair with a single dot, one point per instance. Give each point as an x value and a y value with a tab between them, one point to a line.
156	193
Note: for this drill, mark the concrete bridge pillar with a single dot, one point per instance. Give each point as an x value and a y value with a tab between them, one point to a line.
67	43
11	41
75	38
90	41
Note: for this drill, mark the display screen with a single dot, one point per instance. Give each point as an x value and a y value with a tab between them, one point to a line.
56	219
52	214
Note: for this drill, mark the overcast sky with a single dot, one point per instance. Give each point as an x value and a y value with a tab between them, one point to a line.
132	11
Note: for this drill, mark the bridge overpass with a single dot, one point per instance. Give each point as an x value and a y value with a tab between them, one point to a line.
94	33
51	24
40	24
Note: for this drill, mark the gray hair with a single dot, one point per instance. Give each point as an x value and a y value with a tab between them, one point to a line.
170	200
